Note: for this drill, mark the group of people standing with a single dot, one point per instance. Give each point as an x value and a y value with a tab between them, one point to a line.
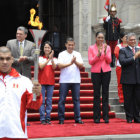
19	54
16	59
128	75
127	55
69	62
100	58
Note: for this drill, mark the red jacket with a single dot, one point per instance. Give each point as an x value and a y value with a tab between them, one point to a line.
98	63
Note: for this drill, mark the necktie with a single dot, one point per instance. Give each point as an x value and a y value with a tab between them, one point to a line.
21	49
133	49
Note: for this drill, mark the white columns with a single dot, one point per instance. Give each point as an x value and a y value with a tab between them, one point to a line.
82	26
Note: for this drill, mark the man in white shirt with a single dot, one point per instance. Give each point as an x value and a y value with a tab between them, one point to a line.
69	62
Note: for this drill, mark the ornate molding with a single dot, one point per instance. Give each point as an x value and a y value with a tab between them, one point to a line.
135	29
98	27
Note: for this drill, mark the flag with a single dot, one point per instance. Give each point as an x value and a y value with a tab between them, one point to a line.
107	5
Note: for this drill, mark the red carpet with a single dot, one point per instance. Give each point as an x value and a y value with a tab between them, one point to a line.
116	126
86	100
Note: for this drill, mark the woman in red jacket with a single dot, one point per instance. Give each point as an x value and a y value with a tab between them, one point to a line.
118	66
47	65
99	56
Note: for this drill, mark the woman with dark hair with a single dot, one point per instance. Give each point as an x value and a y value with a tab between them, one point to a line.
118	66
99	56
47	65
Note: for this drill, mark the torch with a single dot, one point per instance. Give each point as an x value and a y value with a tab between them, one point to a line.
37	36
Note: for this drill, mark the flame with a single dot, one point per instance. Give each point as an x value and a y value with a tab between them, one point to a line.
35	22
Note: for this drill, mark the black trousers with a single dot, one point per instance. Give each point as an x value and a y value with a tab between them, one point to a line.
132	101
98	80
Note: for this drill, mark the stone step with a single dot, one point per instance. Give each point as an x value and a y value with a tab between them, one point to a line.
113	101
87	69
117	108
113	71
113	87
120	115
113	82
114	78
113	94
113	74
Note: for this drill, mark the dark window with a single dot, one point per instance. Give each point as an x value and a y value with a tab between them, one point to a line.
56	15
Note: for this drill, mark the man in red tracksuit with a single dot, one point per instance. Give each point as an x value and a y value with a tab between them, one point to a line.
15	97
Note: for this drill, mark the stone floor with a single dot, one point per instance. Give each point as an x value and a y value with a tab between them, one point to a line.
104	137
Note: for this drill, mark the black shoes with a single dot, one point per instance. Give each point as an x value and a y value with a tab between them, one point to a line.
43	122
79	121
129	121
106	121
96	121
136	121
61	122
48	122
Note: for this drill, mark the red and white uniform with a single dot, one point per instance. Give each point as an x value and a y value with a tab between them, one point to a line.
118	72
46	75
112	28
15	97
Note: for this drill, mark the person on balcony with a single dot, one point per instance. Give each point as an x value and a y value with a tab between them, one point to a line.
99	57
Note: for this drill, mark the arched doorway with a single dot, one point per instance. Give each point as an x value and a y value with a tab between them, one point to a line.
57	18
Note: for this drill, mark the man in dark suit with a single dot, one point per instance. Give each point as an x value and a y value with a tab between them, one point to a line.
22	51
129	58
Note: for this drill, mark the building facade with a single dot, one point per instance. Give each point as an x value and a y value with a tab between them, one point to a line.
88	19
80	19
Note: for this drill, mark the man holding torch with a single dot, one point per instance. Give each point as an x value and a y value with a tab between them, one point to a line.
15	97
